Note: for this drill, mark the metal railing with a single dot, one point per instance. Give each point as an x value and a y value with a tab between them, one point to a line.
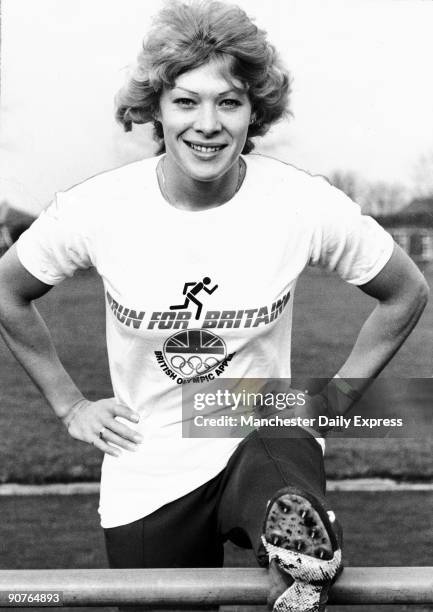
171	588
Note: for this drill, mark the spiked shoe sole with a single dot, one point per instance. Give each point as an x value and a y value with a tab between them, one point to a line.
299	537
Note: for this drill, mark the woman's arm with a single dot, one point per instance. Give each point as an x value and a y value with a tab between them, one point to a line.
27	336
401	293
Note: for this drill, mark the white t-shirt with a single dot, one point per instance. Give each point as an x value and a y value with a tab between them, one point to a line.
247	253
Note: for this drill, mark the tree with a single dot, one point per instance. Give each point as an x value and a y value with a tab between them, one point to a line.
386	198
347	181
423	174
376	198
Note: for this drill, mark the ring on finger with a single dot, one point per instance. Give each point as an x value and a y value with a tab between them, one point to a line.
101	434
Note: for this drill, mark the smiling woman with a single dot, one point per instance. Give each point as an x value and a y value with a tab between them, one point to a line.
216	84
220	236
184	37
205	128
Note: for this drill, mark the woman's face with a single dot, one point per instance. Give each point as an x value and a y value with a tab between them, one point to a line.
205	119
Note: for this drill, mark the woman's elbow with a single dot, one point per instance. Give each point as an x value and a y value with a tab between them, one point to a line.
414	299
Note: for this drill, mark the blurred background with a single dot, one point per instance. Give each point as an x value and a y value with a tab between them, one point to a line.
362	98
361	101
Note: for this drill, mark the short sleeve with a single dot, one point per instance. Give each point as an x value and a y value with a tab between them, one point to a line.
344	240
59	242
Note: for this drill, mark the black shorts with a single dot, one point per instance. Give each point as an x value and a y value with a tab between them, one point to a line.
191	531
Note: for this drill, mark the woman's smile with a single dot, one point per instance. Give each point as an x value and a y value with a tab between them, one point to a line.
205	148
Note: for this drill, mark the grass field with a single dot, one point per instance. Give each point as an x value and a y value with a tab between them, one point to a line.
328	314
381	528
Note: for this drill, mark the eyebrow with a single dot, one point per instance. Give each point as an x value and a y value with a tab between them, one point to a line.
224	93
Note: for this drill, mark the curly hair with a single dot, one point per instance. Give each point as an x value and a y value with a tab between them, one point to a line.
186	35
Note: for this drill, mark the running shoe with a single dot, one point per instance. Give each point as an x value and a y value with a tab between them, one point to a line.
301	544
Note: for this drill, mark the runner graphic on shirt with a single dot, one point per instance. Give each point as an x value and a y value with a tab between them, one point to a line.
191	295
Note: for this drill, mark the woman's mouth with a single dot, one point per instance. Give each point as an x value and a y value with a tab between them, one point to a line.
205	148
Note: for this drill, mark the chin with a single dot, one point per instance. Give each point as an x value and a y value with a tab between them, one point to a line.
209	171
207	177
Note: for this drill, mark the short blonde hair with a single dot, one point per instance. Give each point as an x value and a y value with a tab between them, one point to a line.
186	35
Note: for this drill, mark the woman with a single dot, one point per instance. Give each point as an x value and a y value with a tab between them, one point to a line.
199	250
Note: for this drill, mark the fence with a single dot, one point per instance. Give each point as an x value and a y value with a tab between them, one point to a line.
171	588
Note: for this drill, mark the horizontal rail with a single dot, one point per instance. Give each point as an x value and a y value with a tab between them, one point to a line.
165	588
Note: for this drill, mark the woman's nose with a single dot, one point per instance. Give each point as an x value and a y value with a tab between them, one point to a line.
207	120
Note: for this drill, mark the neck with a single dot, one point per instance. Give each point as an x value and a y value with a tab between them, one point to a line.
189	194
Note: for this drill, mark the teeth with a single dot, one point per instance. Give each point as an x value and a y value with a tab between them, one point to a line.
203	149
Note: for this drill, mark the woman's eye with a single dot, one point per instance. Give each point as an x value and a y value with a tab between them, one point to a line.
185	102
230	103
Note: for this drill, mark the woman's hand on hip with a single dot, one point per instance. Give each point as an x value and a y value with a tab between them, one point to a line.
97	423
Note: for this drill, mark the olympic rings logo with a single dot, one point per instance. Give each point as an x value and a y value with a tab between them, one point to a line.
194	365
194	352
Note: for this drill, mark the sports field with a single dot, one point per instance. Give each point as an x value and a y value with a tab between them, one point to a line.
327	315
380	529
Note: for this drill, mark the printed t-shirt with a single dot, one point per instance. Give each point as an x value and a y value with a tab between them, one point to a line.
151	256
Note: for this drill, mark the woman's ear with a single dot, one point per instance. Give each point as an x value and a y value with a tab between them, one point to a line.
252	118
